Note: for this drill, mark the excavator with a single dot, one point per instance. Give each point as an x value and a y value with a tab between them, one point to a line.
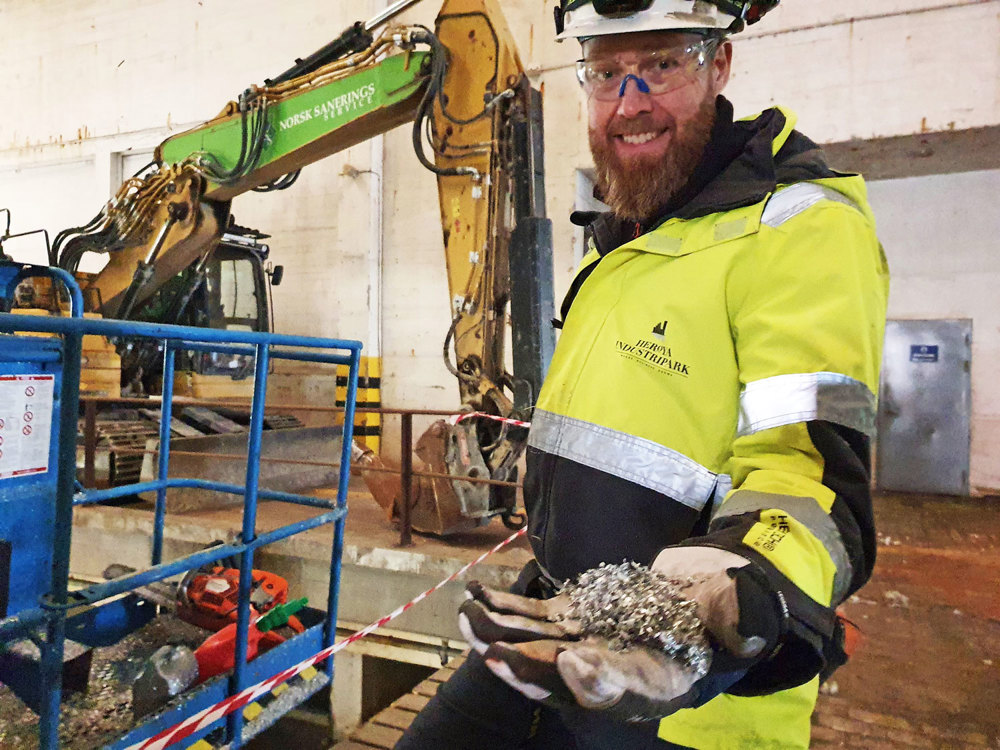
463	91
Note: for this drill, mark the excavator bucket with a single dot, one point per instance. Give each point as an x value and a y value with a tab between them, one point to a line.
438	505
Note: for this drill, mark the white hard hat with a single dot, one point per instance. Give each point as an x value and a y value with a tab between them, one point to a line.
583	19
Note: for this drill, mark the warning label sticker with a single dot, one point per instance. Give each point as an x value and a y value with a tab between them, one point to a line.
25	424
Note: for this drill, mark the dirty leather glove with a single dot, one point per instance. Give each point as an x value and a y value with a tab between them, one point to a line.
641	684
735	601
536	648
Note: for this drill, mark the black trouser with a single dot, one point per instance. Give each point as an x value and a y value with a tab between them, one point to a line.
475	710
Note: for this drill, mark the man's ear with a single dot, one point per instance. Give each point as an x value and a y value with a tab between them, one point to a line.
721	65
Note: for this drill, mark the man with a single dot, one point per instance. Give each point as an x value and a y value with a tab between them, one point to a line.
707	414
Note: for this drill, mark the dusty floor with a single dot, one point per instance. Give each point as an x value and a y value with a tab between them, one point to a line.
928	671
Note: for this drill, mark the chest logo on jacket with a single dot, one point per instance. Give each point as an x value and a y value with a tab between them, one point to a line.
652	351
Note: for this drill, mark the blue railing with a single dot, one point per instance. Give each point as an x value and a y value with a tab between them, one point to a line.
51	615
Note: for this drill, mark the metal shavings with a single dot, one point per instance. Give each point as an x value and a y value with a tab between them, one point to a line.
95	718
631	605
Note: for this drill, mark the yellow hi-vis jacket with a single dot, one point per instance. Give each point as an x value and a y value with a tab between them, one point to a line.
715	383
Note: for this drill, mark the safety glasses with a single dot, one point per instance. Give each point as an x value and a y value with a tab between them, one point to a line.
621	7
656	72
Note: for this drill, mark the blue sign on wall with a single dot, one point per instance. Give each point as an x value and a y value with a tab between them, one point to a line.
923	353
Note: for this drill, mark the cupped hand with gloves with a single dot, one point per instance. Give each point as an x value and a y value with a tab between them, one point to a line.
639	644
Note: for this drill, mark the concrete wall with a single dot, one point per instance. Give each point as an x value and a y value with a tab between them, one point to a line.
942	237
88	80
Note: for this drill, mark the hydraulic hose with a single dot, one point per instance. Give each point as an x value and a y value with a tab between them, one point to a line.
439	68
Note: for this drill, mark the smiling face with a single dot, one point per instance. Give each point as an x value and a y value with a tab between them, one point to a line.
646	145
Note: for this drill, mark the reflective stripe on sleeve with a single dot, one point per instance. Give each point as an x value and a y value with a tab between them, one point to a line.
788	399
632	458
810	514
794	199
723	486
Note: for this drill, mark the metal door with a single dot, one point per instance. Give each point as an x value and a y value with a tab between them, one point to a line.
924	407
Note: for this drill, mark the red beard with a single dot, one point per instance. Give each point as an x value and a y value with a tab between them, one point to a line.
636	188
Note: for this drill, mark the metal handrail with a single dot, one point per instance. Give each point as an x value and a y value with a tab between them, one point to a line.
52	614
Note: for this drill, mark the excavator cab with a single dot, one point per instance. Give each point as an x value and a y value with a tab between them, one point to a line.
233	296
229	289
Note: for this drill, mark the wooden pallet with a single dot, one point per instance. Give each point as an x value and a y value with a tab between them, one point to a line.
384	729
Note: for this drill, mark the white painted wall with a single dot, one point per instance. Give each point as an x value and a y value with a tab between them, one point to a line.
904	66
942	238
88	80
43	196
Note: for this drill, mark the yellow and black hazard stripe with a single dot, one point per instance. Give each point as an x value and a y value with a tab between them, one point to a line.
367	425
253	710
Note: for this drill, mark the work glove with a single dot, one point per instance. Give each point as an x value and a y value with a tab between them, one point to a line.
539	649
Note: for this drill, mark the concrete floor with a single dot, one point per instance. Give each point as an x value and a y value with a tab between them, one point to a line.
928	671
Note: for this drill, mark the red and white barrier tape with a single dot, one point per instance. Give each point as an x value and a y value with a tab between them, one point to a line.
208	716
483	415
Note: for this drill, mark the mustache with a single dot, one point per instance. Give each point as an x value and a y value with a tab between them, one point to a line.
637	125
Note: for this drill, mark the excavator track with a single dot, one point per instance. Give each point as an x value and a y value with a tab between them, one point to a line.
120	446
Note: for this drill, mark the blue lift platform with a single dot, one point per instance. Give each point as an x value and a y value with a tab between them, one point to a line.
39	411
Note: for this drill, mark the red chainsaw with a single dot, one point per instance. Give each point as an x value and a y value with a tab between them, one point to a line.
210	599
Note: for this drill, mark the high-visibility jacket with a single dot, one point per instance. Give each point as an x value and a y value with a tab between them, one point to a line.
715	383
